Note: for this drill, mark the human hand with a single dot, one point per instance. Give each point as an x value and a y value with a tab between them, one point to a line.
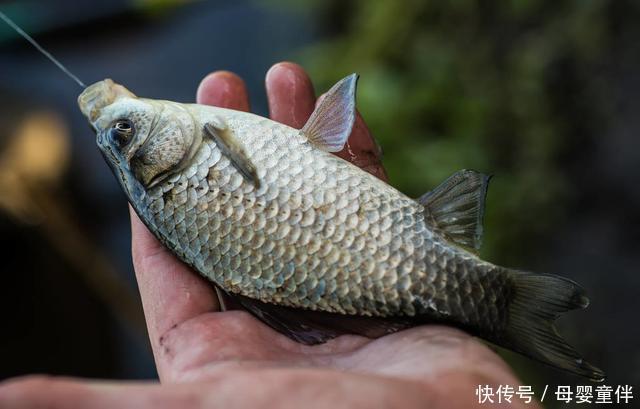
208	358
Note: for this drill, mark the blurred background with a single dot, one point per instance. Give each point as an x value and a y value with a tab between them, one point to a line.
543	94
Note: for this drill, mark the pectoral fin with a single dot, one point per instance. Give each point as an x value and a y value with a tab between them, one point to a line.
233	150
456	207
331	122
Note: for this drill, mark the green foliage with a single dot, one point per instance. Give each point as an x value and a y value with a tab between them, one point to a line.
467	84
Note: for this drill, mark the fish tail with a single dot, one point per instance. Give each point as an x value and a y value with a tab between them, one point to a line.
537	301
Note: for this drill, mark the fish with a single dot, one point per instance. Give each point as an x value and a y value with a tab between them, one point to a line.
312	245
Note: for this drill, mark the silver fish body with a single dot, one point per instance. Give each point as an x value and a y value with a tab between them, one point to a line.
318	234
268	214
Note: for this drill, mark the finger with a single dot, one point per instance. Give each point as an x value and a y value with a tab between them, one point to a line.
238	389
244	389
171	293
64	393
291	102
223	89
290	94
363	151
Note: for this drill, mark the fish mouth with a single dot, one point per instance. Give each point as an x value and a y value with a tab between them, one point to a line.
99	95
131	187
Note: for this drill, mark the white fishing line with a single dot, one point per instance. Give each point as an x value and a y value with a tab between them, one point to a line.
39	48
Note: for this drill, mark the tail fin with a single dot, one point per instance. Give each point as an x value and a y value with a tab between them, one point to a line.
537	301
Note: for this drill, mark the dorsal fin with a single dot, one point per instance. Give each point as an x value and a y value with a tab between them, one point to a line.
456	207
331	122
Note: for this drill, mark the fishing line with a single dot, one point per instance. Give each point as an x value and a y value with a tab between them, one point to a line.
41	49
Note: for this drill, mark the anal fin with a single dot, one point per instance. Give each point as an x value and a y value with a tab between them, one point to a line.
315	327
226	300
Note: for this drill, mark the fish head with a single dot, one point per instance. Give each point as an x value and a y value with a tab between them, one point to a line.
144	141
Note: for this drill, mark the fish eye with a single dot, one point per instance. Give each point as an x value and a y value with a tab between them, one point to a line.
121	132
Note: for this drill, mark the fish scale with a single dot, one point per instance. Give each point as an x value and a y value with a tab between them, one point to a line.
309	243
385	237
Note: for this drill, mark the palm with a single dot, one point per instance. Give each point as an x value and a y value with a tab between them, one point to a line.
230	359
199	348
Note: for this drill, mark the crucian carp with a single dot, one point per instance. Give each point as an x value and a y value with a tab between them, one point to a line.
312	245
